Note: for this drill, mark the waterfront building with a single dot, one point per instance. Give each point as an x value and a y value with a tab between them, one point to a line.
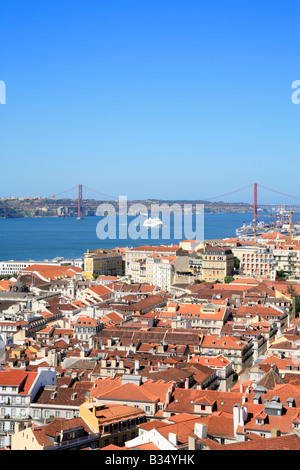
11	267
102	262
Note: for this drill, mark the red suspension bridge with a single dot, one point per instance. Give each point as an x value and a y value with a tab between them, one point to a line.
220	198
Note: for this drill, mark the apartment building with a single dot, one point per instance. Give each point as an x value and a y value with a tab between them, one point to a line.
102	262
217	263
165	269
8	268
157	265
221	365
287	259
115	423
18	389
11	267
85	327
255	261
59	434
136	258
209	317
57	401
236	350
131	390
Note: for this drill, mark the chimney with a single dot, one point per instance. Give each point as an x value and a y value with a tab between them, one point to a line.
240	414
169	395
200	430
275	432
136	366
173	438
243	415
192	443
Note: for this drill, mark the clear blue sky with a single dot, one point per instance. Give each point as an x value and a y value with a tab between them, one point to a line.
162	98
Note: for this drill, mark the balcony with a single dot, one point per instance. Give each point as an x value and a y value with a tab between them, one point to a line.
73	442
15	418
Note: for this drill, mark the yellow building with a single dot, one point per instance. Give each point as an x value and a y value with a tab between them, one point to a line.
98	425
102	262
115	423
217	263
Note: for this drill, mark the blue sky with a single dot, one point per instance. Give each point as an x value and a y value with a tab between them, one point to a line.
160	99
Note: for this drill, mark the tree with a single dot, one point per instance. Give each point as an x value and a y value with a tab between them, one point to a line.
296	299
236	262
280	274
228	279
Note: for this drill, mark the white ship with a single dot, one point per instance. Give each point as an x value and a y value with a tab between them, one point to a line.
250	229
152	222
245	230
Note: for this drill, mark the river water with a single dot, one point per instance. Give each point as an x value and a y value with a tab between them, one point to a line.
46	238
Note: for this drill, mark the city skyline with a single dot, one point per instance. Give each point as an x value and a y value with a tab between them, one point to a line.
150	227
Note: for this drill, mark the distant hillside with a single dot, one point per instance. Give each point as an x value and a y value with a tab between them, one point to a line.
51	207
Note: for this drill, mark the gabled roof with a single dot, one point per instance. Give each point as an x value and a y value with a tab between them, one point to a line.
183	400
288	442
18	378
271	379
45	434
114	389
51	272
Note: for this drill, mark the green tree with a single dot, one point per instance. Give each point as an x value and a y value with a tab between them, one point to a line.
280	274
296	299
236	262
228	279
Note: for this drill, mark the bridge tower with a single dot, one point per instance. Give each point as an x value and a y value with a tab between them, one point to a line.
79	202
255	203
